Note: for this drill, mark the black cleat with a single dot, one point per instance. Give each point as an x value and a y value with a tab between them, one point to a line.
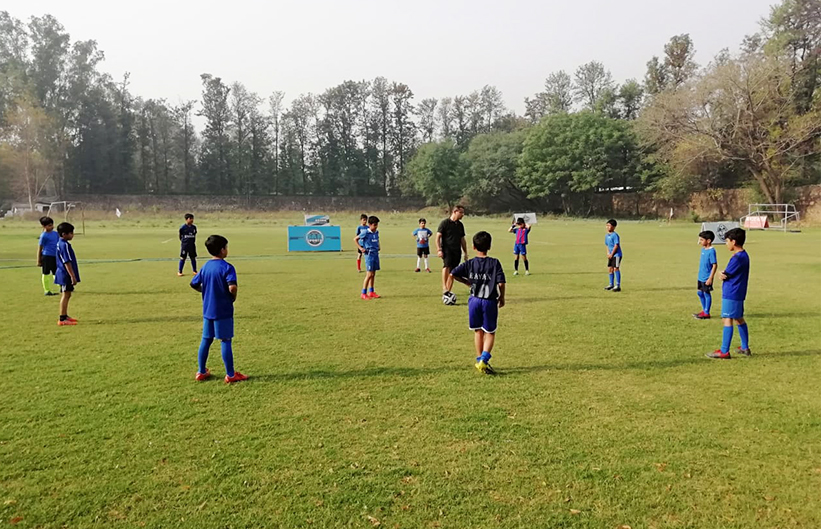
617	289
744	352
609	287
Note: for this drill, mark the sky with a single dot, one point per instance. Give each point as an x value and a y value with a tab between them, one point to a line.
437	47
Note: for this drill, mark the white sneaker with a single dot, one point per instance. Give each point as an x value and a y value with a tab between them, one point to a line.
516	273
527	273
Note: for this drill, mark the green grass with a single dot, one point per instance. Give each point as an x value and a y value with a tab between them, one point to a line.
358	414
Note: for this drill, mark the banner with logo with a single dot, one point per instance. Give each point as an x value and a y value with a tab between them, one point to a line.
317	220
530	218
719	228
314	239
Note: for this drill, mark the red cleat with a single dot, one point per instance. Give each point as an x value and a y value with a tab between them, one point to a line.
364	296
427	270
63	323
417	270
238	377
374	295
69	318
718	354
203	376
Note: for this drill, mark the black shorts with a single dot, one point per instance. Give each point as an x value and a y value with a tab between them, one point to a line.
451	258
703	287
188	251
358	251
67	288
423	252
614	262
49	264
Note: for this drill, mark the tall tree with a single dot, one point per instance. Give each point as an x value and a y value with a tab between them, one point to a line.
276	109
437	173
592	80
678	60
427	119
214	160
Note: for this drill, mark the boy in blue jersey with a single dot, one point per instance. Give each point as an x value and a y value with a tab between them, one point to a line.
522	232
68	273
706	272
218	283
733	293
362	228
422	236
614	255
188	243
47	253
368	244
486	279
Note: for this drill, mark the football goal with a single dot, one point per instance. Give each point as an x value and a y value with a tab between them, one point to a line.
769	217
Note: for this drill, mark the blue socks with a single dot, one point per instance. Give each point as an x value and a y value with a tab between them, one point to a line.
364	290
611	279
202	354
701	299
618	278
745	336
707	302
370	289
727	339
193	264
228	357
182	262
485	357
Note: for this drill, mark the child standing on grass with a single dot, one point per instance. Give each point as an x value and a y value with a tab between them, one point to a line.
422	236
733	293
522	232
218	283
706	272
368	244
68	273
486	279
47	253
362	228
614	255
188	243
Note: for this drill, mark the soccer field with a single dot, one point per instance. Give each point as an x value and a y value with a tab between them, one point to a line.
605	412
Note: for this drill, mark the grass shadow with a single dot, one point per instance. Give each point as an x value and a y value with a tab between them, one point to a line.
778	315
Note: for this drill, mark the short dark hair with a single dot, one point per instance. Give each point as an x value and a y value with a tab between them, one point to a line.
45	221
613	223
710	236
520	220
481	241
215	243
422	220
737	235
189	216
363	216
458	207
64	227
373	219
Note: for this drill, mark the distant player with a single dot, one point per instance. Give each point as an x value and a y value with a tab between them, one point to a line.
422	236
47	253
68	273
733	293
451	245
188	243
707	267
368	244
218	283
614	255
486	279
522	232
362	228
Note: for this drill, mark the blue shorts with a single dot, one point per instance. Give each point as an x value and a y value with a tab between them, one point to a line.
519	249
731	308
483	314
219	329
372	261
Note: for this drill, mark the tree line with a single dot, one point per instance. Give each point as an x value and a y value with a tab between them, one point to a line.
749	117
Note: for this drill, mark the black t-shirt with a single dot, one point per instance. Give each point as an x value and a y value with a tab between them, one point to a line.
452	233
188	235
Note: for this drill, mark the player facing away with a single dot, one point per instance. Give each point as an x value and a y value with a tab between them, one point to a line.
68	273
522	232
188	243
47	253
707	267
368	244
422	236
614	255
217	281
733	293
486	279
450	245
362	228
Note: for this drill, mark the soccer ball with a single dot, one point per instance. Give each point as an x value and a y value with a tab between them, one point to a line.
449	298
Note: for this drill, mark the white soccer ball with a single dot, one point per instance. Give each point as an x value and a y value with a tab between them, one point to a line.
449	298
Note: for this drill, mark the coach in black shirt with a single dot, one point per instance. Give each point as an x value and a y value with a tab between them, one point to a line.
451	244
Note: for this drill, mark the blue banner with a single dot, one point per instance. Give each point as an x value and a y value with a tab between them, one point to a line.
314	239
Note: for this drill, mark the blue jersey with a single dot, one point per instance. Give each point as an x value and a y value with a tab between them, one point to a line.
214	278
422	237
521	235
48	240
360	230
705	266
188	235
738	274
370	240
485	275
65	259
611	240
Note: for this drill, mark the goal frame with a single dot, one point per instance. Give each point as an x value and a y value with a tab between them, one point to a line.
780	213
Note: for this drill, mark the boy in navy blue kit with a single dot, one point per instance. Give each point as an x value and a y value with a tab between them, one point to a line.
614	255
362	228
68	273
47	253
188	243
368	244
218	283
733	293
522	232
422	235
486	279
706	273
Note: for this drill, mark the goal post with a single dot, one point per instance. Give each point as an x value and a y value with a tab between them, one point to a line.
758	216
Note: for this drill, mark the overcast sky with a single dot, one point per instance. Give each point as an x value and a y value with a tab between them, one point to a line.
439	48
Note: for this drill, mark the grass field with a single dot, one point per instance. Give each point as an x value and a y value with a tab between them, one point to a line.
369	413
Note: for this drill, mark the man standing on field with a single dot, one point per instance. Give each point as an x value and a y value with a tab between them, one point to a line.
451	245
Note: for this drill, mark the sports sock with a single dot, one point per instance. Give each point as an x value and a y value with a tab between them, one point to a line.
708	302
427	266
485	356
611	279
418	262
194	264
47	282
182	262
701	299
364	290
745	336
727	339
202	354
618	278
359	264
63	317
516	264
370	289
527	265
228	357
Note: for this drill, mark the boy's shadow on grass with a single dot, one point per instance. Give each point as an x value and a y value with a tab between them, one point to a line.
661	289
132	292
773	315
